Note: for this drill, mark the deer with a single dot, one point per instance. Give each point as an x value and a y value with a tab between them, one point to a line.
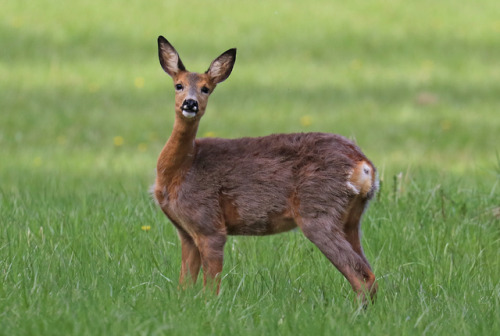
210	188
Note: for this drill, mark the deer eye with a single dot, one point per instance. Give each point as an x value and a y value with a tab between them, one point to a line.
179	87
205	90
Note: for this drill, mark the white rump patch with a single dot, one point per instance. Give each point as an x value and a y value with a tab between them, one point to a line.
360	179
366	169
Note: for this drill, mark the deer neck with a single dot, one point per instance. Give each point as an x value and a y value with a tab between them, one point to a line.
178	154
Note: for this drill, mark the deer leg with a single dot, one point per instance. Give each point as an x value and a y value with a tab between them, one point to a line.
325	234
191	260
212	255
352	226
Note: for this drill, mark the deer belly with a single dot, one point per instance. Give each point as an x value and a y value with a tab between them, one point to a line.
253	225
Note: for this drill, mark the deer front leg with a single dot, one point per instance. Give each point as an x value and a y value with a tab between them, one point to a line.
212	255
191	260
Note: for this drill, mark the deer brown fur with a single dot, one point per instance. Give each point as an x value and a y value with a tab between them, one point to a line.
210	188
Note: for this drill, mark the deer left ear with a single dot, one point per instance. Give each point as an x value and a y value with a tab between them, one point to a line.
221	67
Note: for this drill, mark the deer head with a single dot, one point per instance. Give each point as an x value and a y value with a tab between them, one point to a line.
193	89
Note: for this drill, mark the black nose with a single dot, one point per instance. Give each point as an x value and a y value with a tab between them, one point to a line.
190	105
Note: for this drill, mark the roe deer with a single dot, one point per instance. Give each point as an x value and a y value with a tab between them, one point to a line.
210	188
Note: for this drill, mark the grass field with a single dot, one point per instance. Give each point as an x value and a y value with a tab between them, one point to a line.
85	109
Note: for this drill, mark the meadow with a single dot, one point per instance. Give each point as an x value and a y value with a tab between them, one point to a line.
85	109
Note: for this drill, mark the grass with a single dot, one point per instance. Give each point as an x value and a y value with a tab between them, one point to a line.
85	110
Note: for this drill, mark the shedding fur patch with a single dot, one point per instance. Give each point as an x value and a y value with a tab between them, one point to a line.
351	186
152	193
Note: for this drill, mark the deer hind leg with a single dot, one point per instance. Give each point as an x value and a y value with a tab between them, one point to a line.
191	259
326	235
352	225
212	255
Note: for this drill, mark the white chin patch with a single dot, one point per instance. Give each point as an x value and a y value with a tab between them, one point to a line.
188	114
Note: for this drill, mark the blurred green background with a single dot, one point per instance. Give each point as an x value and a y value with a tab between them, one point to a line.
415	83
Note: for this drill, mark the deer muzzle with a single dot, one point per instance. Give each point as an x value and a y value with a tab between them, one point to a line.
189	108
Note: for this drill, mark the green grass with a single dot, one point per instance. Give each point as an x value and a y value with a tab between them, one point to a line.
85	109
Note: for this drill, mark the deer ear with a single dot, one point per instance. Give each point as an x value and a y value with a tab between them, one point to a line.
222	66
169	58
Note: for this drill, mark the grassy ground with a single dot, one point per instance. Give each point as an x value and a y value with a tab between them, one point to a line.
85	108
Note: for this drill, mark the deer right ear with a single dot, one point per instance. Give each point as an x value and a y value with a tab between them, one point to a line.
169	58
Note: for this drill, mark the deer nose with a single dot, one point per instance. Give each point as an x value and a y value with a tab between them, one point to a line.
190	105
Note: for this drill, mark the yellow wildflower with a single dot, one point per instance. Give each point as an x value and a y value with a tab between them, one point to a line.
93	87
118	141
356	64
445	125
306	120
61	140
142	147
139	82
37	161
